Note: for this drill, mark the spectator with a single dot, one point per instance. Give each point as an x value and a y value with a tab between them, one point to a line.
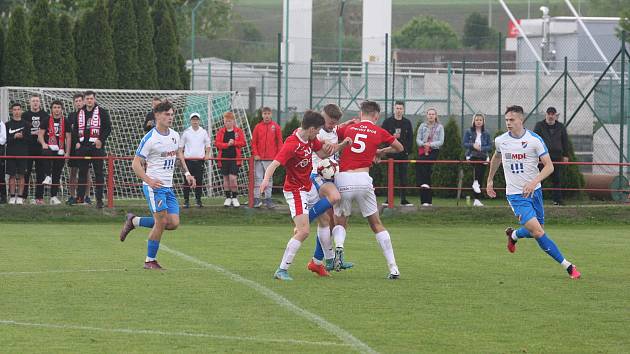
34	118
73	164
478	145
91	131
400	127
555	136
55	136
266	143
430	138
195	144
3	182
229	142
18	135
149	120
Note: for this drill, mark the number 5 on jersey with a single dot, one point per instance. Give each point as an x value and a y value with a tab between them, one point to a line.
358	140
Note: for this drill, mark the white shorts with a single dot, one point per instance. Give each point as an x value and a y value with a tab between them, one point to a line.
301	201
355	186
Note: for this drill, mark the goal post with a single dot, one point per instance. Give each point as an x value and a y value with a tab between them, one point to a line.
128	109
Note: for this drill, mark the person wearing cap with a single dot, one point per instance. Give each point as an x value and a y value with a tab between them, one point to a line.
195	144
555	136
229	142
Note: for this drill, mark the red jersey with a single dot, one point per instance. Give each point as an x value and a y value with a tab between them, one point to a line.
366	138
296	157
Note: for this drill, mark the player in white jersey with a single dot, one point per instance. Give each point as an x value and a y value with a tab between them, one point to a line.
158	152
328	196
520	150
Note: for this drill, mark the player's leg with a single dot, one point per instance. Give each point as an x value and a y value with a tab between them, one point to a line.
369	210
172	210
132	221
298	202
155	236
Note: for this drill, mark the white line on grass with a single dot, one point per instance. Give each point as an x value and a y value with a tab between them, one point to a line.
335	330
174	334
91	271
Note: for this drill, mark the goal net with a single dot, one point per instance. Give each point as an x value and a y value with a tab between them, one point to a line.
128	109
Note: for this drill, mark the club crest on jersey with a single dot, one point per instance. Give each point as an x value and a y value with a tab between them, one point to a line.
174	141
524	144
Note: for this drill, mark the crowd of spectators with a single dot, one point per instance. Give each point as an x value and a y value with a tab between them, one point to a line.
84	133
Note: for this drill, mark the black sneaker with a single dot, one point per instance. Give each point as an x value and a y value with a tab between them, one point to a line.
393	276
405	202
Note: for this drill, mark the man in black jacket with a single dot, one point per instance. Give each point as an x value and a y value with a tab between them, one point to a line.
400	128
34	117
149	120
91	130
555	136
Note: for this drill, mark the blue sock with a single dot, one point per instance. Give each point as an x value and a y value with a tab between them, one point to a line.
152	248
319	251
146	221
318	209
523	233
547	245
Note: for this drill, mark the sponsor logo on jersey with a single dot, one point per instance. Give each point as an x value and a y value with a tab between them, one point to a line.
303	163
168	153
512	156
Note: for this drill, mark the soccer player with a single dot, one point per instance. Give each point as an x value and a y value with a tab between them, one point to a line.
18	135
300	193
158	150
520	150
354	181
55	136
34	117
328	196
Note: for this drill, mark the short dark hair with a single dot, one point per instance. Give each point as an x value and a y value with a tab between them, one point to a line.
333	111
399	103
370	107
89	93
265	109
56	102
312	119
35	95
77	95
163	106
16	104
515	109
157	98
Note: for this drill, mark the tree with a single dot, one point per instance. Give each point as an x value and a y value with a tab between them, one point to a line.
97	67
165	45
147	74
67	60
1	55
477	34
44	60
448	174
426	33
18	60
55	50
126	44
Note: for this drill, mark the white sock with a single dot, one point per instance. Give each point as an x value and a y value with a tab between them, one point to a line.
565	264
513	236
317	261
385	242
135	221
339	235
323	234
149	259
289	253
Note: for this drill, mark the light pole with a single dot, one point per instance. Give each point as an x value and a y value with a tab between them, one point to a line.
192	43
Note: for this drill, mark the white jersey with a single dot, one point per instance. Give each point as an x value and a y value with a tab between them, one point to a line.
194	142
325	137
160	153
520	158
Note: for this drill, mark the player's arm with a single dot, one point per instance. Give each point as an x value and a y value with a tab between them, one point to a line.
40	138
394	147
546	171
189	178
495	162
331	149
271	169
138	167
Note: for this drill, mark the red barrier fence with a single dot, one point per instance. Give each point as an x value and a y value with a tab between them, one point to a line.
111	185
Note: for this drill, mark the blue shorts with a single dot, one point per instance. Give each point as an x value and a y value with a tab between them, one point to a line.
527	208
161	199
319	181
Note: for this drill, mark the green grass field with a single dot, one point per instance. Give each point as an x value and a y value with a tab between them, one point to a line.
73	287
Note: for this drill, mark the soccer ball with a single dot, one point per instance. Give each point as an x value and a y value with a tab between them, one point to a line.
327	168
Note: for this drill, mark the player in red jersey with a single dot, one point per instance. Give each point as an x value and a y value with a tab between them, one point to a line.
354	181
299	191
